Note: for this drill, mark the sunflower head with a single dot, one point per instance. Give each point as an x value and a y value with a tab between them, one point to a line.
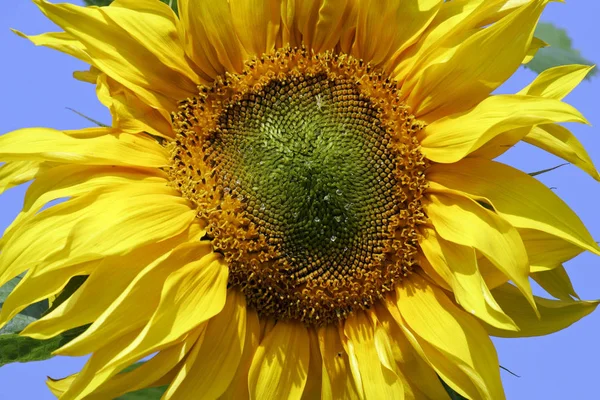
296	199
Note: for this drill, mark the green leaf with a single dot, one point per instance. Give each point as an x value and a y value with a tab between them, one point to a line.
15	348
145	394
170	3
560	52
17	324
36	310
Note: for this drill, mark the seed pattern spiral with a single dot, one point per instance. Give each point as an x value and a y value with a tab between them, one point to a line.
307	171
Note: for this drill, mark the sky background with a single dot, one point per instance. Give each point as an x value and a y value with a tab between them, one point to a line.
37	86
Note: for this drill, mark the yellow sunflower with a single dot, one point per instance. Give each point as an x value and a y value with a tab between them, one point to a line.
296	199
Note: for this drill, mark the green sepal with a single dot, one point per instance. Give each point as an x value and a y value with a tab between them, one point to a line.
560	51
543	171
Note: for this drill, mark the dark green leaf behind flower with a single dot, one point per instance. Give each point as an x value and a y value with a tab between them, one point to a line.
560	51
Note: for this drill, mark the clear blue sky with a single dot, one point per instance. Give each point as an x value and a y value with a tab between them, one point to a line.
37	86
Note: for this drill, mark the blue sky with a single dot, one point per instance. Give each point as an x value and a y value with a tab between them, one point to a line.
37	87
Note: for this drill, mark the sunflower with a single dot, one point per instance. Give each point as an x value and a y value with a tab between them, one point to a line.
296	199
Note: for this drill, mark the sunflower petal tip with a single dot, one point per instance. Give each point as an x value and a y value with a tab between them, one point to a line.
19	33
596	249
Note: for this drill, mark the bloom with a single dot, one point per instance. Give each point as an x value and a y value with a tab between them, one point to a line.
286	207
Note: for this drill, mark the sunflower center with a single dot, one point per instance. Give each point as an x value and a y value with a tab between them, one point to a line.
307	171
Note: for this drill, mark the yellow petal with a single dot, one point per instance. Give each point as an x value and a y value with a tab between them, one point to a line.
279	369
336	18
454	333
89	76
492	276
130	114
92	132
337	378
182	372
374	379
395	24
463	221
517	197
219	354
318	24
94	297
139	48
16	173
71	181
450	370
94	363
465	72
298	21
136	304
348	28
61	41
558	140
256	23
314	383
501	143
35	287
211	37
535	45
59	386
556	282
21	255
418	374
557	82
554	83
238	388
440	278
149	373
453	137
386	353
191	295
554	314
458	265
454	18
94	226
45	144
68	233
546	251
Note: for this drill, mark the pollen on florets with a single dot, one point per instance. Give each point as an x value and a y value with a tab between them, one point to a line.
307	170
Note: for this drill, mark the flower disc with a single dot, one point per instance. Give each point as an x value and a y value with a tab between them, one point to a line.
309	175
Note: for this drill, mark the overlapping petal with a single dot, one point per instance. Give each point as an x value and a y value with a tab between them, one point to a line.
136	43
554	314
